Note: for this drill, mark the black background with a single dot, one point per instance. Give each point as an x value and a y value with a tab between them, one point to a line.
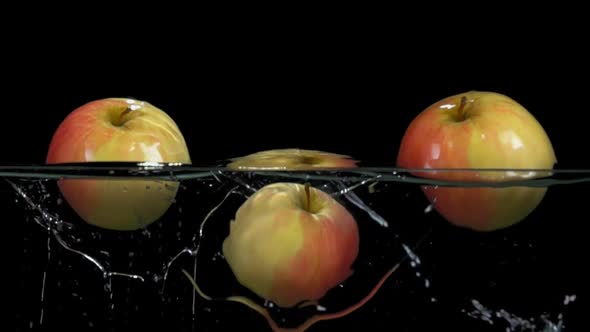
245	91
339	91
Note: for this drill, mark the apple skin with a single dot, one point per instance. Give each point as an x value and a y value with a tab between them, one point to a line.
490	130
118	130
291	159
286	252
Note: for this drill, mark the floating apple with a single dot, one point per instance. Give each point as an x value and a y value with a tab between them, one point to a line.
291	243
478	130
291	159
118	130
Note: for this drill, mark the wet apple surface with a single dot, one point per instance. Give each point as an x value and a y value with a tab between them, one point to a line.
291	159
478	130
290	243
118	130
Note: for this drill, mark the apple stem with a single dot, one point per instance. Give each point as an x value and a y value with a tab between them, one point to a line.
307	196
461	110
125	112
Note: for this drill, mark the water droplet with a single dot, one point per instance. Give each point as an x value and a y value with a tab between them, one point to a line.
568	299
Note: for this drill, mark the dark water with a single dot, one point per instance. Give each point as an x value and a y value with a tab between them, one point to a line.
73	275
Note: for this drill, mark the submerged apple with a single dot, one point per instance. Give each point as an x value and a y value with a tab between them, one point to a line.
291	159
118	130
479	130
291	243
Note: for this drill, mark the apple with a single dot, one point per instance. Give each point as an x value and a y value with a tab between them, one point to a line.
291	243
478	129
291	159
118	130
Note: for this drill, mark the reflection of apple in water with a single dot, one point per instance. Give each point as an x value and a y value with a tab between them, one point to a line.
118	130
291	243
478	130
291	159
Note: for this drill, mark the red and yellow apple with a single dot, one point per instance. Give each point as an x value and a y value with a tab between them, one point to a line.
473	130
291	159
118	130
291	243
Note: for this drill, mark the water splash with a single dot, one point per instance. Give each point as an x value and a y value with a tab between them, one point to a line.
54	226
513	323
45	277
57	233
321	311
